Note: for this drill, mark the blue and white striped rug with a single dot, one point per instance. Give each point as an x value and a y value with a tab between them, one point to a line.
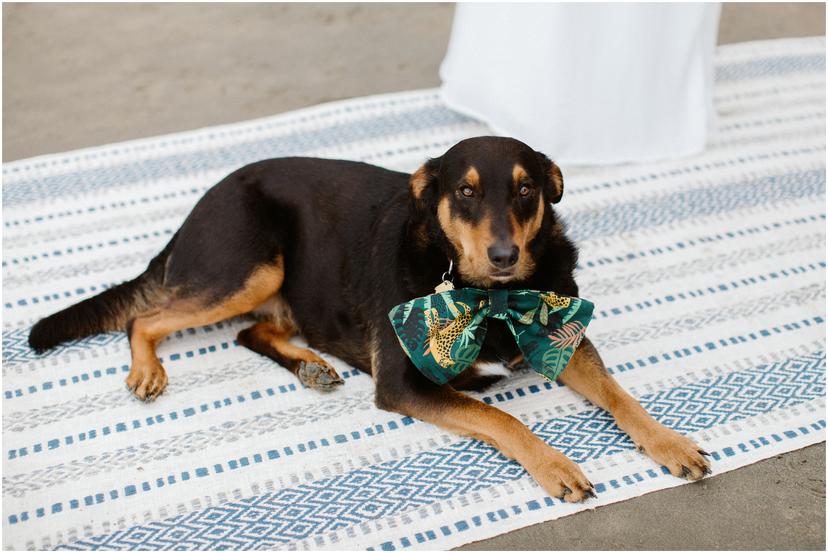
708	274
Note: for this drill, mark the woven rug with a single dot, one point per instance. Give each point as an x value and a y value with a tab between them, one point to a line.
708	276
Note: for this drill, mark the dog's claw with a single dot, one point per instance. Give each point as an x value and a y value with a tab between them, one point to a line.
703	452
566	492
685	472
707	471
590	493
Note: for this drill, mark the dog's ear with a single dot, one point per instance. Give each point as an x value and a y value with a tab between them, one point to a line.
553	186
424	180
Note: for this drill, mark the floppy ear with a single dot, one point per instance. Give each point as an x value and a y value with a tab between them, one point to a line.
553	187
424	180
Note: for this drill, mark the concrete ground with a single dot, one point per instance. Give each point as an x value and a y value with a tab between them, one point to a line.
77	75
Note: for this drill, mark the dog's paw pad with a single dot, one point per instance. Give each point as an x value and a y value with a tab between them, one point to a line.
319	376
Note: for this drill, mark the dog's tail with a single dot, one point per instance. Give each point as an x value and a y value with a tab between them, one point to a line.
108	311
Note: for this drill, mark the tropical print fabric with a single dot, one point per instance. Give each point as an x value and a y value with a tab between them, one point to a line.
443	333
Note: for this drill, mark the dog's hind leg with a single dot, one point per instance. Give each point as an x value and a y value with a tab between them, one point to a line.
272	339
147	377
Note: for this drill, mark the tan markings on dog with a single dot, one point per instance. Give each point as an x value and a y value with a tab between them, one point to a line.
464	415
471	243
515	363
272	339
418	182
518	174
472	177
276	310
373	351
522	234
556	178
147	377
586	374
278	337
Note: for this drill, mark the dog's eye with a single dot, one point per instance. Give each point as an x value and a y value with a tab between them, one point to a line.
525	191
466	191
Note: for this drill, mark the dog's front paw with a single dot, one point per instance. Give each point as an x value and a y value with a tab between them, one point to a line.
146	379
561	477
681	455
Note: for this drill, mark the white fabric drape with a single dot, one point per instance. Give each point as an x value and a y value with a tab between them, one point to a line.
587	83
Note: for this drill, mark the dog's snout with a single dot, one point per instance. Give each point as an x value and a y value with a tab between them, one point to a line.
503	257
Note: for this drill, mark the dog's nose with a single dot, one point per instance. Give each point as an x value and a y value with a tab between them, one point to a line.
503	257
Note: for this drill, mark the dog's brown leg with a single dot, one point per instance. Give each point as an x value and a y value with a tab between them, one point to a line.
271	338
147	377
587	375
449	409
401	388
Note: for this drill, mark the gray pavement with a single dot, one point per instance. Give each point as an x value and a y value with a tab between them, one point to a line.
77	75
778	503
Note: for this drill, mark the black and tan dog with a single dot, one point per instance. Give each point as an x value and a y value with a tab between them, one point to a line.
325	248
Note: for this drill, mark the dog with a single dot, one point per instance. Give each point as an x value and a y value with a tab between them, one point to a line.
325	248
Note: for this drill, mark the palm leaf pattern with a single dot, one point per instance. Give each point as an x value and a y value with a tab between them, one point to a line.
466	337
406	311
411	330
551	360
527	317
569	335
574	307
544	315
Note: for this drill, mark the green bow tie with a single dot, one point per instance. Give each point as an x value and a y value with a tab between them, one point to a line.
442	333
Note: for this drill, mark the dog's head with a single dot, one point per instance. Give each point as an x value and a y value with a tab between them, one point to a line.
487	198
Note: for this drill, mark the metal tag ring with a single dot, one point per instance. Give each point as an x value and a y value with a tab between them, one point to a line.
447	275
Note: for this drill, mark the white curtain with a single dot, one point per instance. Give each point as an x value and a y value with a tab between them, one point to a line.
587	83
